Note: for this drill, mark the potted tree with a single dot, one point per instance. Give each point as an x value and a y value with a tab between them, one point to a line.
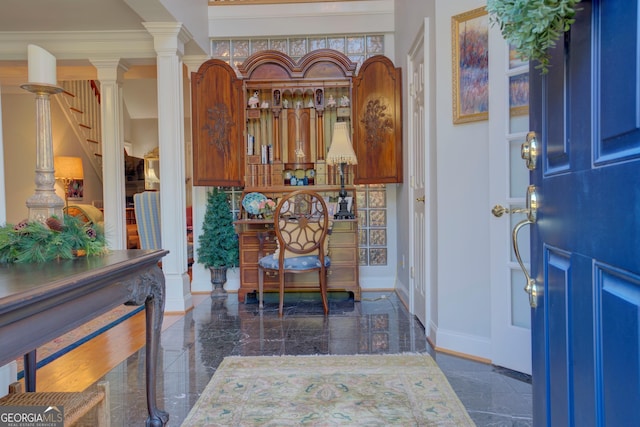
218	243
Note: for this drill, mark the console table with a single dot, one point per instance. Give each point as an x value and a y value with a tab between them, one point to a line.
39	302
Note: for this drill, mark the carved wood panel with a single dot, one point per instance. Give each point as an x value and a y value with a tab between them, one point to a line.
377	122
218	125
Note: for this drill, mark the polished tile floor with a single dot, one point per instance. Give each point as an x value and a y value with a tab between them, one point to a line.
192	348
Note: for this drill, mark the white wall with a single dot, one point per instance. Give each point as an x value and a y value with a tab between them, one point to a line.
144	136
461	318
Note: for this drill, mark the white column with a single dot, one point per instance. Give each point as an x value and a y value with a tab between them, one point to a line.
169	39
111	76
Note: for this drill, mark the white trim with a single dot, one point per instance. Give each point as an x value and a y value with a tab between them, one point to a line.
477	346
79	45
297	19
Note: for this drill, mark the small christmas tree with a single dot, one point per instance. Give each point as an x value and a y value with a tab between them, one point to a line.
218	243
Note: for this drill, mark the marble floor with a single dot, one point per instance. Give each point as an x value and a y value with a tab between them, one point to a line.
192	348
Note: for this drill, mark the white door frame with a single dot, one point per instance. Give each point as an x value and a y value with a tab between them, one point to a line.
508	179
423	308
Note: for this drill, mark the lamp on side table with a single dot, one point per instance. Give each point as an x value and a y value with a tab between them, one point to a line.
67	169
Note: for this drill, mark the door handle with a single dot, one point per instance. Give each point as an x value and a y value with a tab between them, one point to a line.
420	199
529	150
531	210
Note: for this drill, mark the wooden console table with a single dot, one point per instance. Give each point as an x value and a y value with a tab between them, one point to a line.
39	302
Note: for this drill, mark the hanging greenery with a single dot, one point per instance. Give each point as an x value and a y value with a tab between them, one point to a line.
33	241
532	27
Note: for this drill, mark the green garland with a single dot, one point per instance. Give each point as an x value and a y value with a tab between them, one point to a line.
533	26
33	241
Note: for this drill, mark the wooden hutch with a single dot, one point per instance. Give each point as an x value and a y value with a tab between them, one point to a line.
267	129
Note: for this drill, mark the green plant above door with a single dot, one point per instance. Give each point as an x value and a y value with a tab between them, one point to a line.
532	27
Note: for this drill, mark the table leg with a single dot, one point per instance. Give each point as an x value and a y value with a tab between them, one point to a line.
30	371
153	316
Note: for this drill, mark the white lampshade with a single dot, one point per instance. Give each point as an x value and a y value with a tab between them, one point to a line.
341	150
68	167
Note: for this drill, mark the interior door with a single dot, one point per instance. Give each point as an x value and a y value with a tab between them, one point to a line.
508	181
585	243
418	261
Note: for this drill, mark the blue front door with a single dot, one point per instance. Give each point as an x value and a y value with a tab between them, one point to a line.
585	250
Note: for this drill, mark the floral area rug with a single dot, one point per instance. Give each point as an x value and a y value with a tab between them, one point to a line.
75	338
362	390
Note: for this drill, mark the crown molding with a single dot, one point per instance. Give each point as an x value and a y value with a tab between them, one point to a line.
79	45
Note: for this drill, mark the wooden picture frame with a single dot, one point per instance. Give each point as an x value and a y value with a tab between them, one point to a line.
519	94
470	66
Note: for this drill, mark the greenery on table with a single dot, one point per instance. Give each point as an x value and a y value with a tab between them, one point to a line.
218	243
533	26
33	241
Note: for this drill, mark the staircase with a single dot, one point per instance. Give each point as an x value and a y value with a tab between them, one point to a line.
80	102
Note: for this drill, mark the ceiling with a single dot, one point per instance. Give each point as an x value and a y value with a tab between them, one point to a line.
75	30
67	15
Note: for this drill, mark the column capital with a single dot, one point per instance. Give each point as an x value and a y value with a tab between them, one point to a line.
109	69
193	62
169	38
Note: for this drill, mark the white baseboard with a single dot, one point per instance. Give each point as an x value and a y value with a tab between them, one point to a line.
471	345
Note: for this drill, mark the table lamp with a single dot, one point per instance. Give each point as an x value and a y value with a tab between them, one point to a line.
341	152
67	169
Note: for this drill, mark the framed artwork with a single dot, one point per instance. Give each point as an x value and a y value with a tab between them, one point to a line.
75	189
514	59
332	206
470	62
519	95
349	200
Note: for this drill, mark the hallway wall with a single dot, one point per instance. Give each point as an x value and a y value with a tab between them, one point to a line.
459	315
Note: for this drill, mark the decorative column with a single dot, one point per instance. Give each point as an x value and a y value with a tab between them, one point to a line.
42	82
169	39
111	77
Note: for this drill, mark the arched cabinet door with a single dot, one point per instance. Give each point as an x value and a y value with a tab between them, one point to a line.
218	123
377	122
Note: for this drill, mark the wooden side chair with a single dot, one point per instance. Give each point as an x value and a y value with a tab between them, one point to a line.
76	404
301	226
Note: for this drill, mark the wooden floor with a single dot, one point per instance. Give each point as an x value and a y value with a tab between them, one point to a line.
86	364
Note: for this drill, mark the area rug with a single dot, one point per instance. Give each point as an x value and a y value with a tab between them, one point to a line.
75	338
362	390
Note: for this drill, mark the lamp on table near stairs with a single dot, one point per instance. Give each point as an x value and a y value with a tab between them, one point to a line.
67	169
